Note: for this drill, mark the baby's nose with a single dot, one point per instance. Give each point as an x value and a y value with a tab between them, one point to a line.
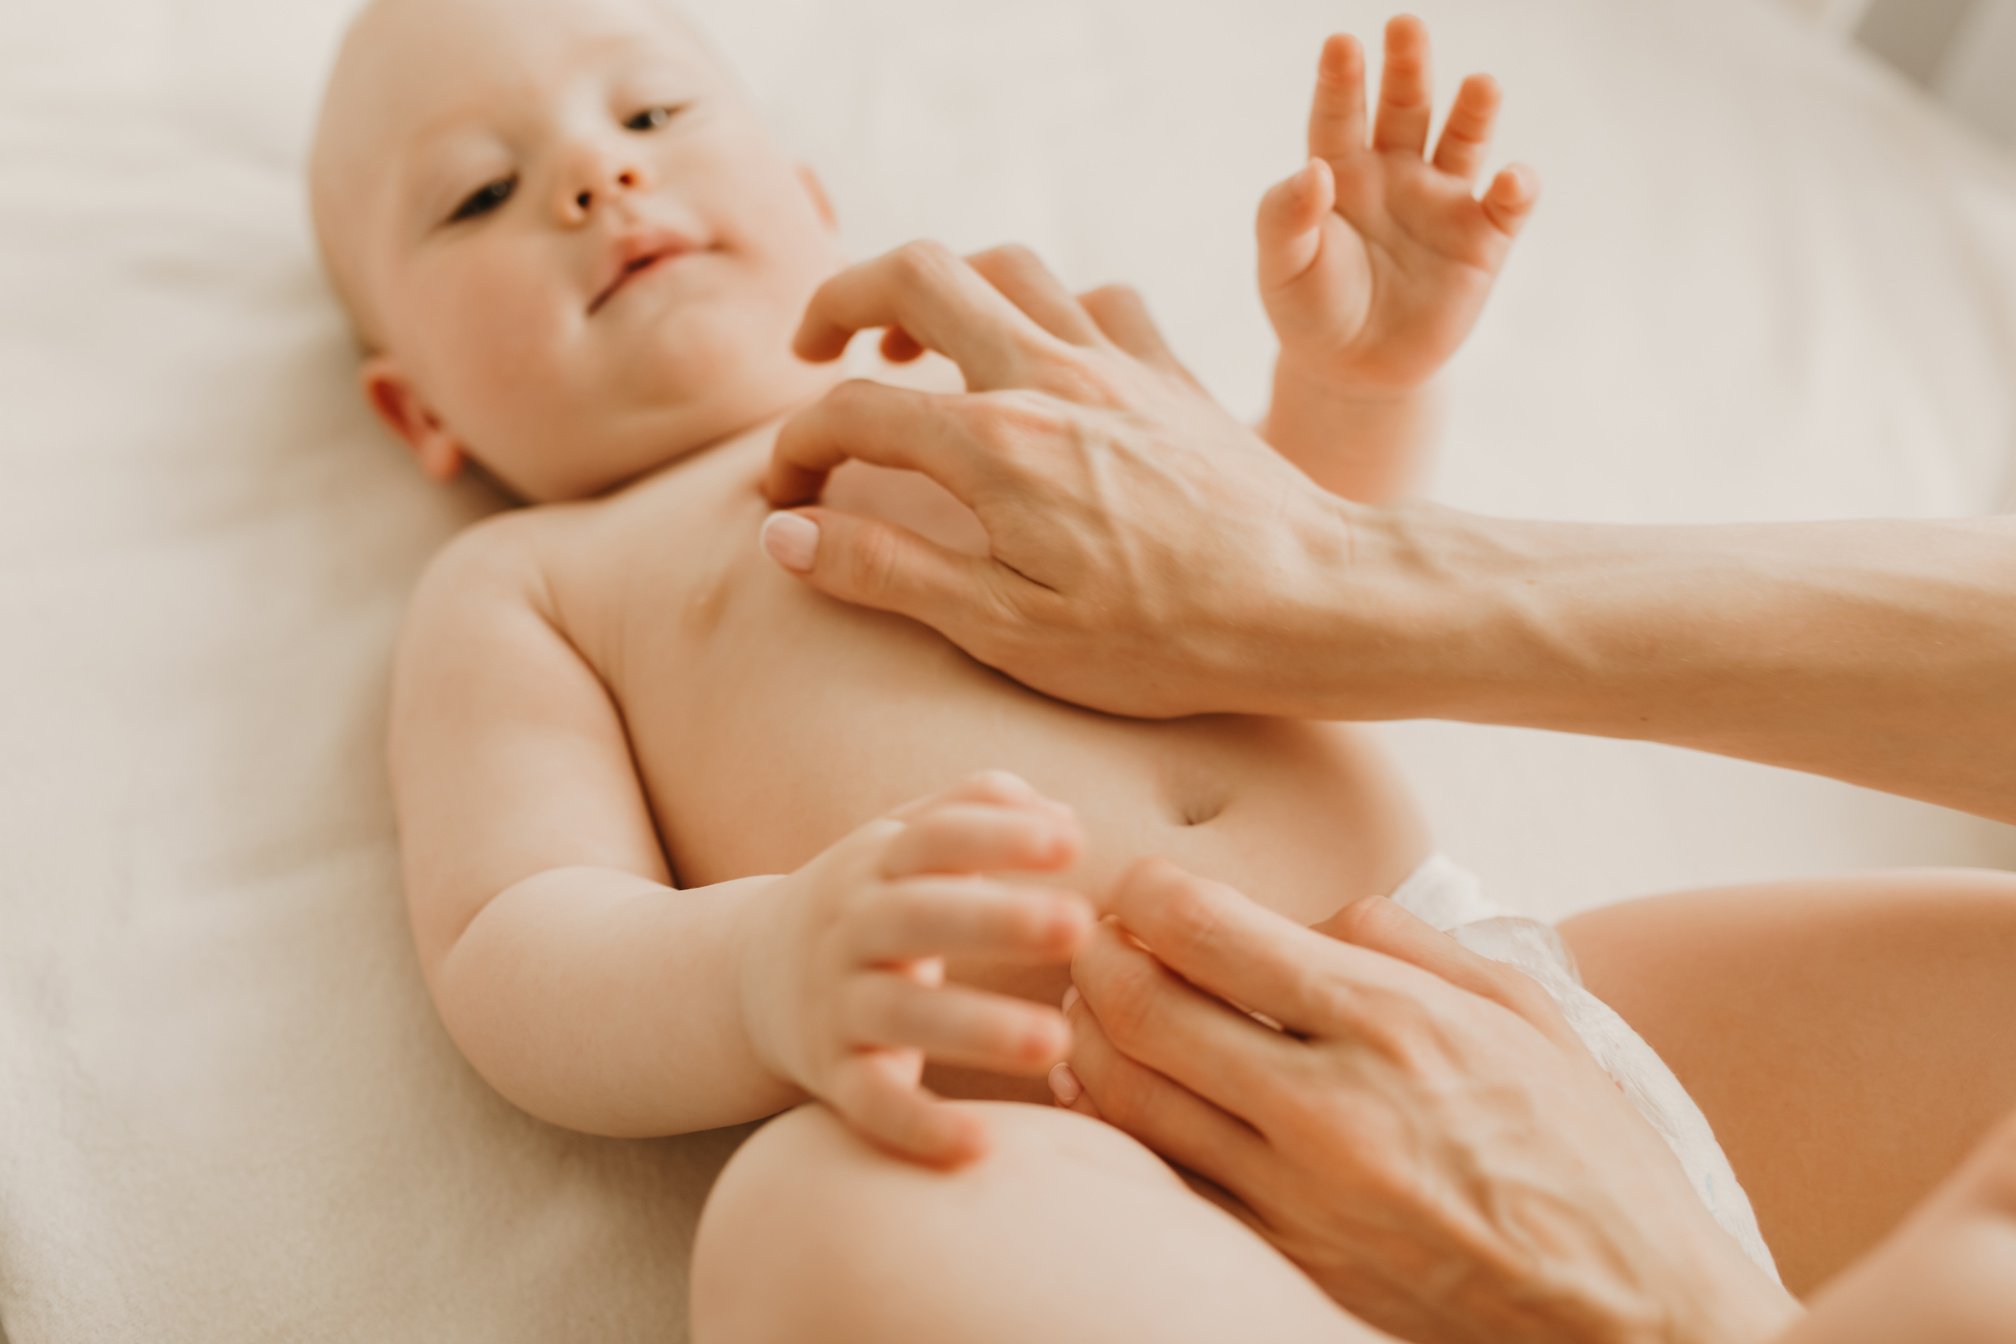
594	182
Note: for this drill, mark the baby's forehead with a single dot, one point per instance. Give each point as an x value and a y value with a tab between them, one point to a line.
419	58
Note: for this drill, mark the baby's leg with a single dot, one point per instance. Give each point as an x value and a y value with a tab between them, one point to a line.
1067	1230
1850	1039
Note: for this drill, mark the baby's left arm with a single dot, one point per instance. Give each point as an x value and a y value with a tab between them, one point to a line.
1375	262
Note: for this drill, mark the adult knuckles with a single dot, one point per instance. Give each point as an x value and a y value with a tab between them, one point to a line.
1192	919
1011	419
1013	259
922	261
1128	1003
1126	1096
1116	296
871	565
1083	377
1359	923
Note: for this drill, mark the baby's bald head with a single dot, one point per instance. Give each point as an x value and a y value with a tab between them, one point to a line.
376	90
569	244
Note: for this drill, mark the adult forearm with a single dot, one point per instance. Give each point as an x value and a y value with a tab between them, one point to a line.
609	1003
1883	653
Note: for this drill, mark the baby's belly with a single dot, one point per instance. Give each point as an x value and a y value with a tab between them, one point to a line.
773	721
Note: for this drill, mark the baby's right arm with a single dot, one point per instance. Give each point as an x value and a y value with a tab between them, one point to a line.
576	979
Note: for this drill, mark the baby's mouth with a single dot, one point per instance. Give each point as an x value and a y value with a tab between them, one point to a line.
634	267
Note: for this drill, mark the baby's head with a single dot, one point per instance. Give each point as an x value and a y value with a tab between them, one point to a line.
486	174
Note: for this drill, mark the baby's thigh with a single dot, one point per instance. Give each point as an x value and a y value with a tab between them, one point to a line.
1848	1038
1067	1229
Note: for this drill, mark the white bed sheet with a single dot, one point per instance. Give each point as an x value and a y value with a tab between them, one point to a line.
1766	282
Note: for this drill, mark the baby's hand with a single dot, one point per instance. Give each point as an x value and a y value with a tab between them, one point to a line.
1375	262
847	996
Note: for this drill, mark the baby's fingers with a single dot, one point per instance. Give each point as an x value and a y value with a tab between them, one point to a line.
1467	133
1404	91
876	1092
923	917
1337	111
1289	225
977	838
1510	199
952	1024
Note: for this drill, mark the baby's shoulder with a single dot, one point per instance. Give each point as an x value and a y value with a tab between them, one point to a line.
507	556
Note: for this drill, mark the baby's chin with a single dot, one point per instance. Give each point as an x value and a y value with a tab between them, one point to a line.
739	419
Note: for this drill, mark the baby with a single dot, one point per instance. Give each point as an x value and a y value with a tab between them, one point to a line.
681	843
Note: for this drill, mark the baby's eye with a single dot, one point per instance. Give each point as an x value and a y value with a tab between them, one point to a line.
651	118
484	199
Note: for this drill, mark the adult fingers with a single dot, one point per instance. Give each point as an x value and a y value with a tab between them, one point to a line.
937	298
952	1024
867	421
1337	111
924	917
1026	282
1228	945
1404	91
870	563
1160	1020
1467	133
1169	1118
877	1092
1123	315
1021	276
1380	925
970	838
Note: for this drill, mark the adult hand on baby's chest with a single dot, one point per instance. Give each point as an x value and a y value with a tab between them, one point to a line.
1141	543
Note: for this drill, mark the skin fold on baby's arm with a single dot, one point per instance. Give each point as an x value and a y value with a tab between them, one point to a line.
1375	261
588	989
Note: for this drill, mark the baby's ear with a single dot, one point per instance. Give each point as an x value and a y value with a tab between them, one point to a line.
817	191
397	402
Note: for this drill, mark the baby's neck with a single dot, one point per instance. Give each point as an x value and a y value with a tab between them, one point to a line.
929	374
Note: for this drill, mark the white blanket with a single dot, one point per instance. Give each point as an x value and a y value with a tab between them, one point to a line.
1765	282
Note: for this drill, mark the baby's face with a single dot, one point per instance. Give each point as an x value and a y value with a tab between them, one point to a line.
576	249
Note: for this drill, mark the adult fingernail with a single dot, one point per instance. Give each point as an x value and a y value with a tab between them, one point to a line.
1064	1084
1070	997
792	540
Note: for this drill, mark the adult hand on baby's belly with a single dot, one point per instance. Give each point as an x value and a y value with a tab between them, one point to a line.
1424	1136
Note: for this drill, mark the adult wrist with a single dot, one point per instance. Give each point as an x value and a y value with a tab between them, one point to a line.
1394	612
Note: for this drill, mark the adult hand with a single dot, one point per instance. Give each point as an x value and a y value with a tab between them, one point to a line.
1425	1136
1150	555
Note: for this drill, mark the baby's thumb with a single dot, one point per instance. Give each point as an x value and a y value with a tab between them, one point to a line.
873	564
1288	226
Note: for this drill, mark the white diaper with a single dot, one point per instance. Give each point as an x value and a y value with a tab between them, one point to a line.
1447	895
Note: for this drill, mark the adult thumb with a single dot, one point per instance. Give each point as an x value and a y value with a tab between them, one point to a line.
876	564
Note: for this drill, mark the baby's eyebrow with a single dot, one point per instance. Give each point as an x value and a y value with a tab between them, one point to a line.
422	165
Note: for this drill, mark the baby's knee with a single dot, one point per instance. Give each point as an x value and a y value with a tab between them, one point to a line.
808	1214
